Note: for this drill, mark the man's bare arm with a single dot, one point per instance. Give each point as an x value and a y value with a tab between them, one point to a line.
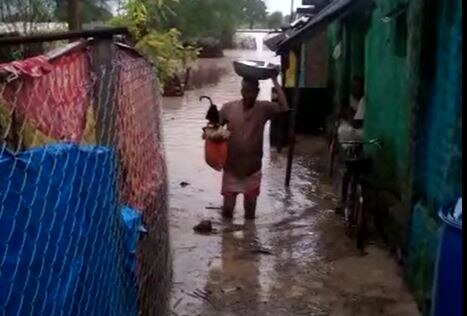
281	98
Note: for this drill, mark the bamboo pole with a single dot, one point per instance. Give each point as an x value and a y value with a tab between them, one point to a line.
291	11
74	23
59	36
293	117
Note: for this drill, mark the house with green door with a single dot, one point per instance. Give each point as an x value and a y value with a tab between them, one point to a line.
409	53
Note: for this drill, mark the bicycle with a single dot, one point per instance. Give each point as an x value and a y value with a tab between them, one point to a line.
357	164
332	146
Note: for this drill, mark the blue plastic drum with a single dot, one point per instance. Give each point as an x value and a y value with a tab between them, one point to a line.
447	286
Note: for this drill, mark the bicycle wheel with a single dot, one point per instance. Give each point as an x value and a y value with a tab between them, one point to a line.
332	156
360	219
349	210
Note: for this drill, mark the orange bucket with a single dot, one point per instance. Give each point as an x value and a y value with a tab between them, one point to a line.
215	154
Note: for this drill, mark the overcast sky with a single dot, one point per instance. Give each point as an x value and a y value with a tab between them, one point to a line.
281	5
273	5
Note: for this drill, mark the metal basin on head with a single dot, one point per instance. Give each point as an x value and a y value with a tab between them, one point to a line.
253	69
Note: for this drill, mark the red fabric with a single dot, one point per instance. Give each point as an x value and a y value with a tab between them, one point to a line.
215	154
139	136
248	186
249	194
33	67
52	96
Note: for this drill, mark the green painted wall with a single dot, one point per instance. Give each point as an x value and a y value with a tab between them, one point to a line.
412	70
336	66
438	173
357	53
438	150
392	77
350	32
388	111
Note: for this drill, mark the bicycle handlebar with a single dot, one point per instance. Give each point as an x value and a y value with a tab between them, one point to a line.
375	142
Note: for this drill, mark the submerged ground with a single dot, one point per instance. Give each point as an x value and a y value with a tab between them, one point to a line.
295	259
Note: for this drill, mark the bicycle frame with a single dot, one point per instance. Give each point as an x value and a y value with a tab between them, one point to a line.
354	204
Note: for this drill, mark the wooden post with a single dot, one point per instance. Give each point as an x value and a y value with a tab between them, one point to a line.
74	23
104	99
293	117
291	11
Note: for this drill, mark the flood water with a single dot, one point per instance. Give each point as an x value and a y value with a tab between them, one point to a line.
295	258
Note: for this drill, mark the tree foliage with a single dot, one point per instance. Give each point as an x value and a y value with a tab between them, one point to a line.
275	20
90	10
22	10
204	18
29	12
253	12
163	47
218	19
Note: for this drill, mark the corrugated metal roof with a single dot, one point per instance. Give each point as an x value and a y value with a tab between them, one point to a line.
334	10
273	43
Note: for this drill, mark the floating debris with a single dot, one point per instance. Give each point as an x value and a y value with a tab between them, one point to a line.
231	289
213	207
184	184
204	227
261	251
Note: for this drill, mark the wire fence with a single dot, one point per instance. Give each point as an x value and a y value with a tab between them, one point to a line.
83	208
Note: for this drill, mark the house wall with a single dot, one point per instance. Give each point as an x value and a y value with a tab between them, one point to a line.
315	62
291	69
350	34
336	61
412	70
438	149
357	50
392	76
388	110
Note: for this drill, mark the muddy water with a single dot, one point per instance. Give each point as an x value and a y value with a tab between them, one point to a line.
295	258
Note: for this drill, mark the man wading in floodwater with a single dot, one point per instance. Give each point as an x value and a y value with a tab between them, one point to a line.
245	120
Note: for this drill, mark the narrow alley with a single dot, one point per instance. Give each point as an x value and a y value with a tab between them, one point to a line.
326	181
295	259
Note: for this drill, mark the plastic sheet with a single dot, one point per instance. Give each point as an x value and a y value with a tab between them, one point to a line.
61	243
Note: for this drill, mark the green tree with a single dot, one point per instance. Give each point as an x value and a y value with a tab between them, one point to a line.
275	20
51	11
163	47
219	19
26	11
204	18
253	12
90	10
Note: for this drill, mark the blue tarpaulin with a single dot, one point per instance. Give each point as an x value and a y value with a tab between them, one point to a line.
132	225
61	242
